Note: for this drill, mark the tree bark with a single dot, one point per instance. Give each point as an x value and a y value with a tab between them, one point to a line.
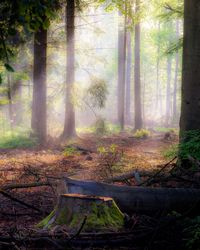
158	72
39	112
128	78
190	108
168	91
10	100
121	70
138	199
138	105
69	124
176	77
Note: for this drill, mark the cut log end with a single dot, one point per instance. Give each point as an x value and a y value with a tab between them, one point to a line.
100	213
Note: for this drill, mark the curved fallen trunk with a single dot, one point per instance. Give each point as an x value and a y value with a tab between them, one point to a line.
139	199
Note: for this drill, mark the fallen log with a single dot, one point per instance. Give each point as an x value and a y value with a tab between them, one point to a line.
139	199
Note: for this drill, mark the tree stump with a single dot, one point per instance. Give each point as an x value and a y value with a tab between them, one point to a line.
100	213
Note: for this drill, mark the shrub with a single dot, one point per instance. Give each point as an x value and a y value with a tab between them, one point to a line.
190	145
109	160
142	133
100	126
70	151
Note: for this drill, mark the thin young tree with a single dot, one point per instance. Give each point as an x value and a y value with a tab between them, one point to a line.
168	90
137	80
128	75
69	124
121	70
176	77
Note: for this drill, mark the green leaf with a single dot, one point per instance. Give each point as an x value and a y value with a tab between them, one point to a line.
8	67
46	24
1	79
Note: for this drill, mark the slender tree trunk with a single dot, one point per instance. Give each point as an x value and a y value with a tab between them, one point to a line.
190	108
10	101
69	125
168	90
17	106
158	72
128	78
143	98
121	71
176	77
138	106
39	112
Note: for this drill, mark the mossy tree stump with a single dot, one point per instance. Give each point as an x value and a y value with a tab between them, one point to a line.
101	213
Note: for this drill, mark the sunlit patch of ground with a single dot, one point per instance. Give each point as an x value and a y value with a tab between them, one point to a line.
141	154
28	166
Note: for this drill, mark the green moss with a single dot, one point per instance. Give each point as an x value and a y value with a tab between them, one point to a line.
62	217
100	217
45	221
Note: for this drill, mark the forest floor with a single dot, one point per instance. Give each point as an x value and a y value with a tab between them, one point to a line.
87	157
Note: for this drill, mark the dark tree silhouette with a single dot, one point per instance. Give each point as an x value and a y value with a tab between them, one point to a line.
39	117
69	125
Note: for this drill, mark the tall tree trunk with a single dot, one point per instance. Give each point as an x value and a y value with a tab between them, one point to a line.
121	70
69	125
39	112
158	72
128	78
138	106
190	108
176	77
10	100
168	90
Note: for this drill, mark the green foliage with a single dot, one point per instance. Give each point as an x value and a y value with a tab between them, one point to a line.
8	67
142	133
17	139
190	145
70	151
110	160
165	130
171	152
175	47
172	10
97	93
108	128
192	233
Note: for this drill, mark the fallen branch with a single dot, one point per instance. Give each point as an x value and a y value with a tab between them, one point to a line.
21	202
122	177
24	185
146	182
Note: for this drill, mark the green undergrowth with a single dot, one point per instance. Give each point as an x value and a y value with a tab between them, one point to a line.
142	133
71	151
171	152
165	130
188	148
17	139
